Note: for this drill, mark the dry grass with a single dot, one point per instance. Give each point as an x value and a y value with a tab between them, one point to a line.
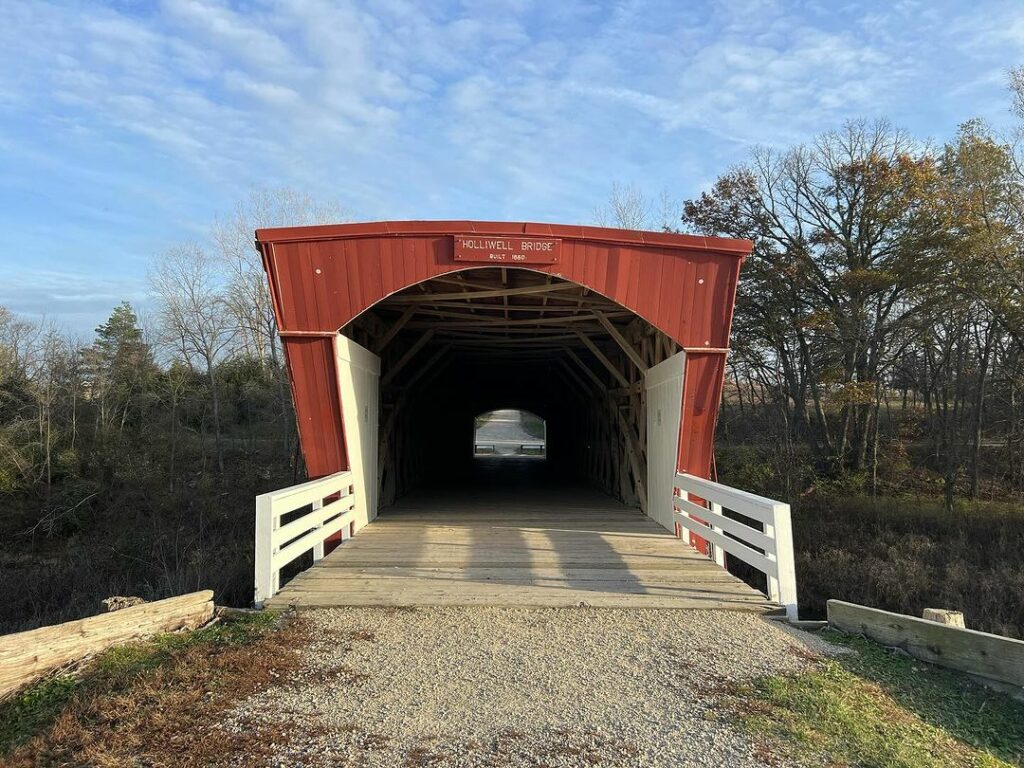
422	757
342	673
153	703
905	555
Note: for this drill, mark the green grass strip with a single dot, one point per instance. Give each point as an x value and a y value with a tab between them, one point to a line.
876	708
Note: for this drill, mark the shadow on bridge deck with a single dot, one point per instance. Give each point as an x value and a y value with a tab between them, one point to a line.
508	532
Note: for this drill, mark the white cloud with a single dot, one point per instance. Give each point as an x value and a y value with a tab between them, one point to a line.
80	300
518	109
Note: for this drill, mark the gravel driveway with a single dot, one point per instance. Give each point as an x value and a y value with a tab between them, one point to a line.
537	687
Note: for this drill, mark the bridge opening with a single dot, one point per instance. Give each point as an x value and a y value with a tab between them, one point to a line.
515	363
509	433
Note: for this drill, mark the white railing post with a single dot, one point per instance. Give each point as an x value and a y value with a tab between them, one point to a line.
717	552
785	583
318	548
266	574
279	544
346	532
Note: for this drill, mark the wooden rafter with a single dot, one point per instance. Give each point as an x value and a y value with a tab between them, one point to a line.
490	343
409	354
396	326
450	311
621	340
460	281
489	331
477	320
602	358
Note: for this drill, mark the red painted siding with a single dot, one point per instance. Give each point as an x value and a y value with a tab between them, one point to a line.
311	368
702	392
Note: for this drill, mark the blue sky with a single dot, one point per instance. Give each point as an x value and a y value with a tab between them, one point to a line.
126	127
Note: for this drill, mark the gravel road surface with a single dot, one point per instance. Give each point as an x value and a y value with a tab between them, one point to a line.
529	687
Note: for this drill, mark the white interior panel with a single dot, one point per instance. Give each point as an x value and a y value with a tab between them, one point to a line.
664	385
359	385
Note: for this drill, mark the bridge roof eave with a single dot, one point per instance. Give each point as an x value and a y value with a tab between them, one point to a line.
719	245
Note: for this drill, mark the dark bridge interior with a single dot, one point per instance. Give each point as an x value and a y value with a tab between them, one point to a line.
489	338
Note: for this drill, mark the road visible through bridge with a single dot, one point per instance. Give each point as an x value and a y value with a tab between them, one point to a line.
509	432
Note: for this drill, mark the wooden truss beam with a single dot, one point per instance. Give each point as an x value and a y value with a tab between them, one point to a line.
587	370
603	359
445	310
395	328
409	354
431	361
469	330
483	321
568	370
621	340
491	343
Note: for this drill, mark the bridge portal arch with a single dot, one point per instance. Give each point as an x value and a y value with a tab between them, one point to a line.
565	321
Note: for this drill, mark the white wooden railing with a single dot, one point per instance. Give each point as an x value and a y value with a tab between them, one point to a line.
331	500
769	550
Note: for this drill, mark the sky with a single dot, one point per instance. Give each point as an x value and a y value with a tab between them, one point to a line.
127	127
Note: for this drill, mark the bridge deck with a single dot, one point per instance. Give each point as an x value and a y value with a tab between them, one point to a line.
530	546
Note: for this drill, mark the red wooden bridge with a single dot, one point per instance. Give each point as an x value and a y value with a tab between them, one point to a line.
398	334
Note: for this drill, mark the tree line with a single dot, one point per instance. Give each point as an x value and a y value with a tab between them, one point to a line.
880	311
880	318
129	460
200	372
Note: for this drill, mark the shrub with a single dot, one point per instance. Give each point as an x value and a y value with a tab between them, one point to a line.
906	555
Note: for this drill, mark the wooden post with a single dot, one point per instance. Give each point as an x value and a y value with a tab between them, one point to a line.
977	653
782	585
717	551
267	578
318	548
26	656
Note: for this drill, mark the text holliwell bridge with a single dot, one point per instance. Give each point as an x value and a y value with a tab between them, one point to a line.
512	250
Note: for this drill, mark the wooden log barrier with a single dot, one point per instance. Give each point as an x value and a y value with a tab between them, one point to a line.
26	656
992	657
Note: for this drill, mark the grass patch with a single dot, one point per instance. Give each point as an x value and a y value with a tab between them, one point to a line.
152	703
877	708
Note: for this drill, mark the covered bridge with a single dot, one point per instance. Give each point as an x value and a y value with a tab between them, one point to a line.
399	335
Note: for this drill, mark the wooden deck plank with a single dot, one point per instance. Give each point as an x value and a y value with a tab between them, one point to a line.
531	553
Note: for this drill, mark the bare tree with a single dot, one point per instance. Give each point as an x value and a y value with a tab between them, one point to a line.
1016	83
248	296
670	212
195	317
627	207
18	339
